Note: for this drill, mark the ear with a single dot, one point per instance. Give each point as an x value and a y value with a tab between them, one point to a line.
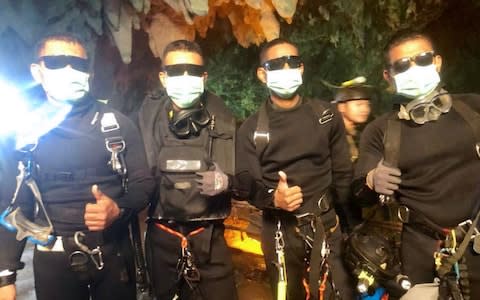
341	107
387	76
262	74
36	72
301	69
438	63
162	76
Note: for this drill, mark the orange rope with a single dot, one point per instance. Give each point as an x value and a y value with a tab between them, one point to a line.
183	238
307	290
323	286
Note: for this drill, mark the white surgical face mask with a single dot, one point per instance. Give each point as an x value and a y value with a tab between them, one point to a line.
66	84
184	90
285	82
417	81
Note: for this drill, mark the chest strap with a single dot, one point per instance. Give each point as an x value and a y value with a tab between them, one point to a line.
115	144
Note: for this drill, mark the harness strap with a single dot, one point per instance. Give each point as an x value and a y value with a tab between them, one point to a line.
183	238
473	120
115	144
319	242
261	135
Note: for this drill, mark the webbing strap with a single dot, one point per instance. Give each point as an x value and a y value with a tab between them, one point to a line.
391	142
115	144
261	136
316	258
473	120
183	238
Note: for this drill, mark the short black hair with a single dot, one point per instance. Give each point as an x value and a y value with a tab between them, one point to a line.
64	37
404	36
271	44
182	45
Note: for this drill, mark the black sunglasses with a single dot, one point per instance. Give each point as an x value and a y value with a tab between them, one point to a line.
180	69
423	59
55	62
278	63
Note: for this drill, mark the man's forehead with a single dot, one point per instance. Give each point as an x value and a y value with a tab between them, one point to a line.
410	48
57	47
182	57
280	50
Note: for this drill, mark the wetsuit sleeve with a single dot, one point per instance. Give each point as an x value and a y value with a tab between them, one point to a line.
140	182
370	153
341	169
248	184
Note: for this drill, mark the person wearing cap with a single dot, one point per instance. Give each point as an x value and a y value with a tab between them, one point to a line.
353	102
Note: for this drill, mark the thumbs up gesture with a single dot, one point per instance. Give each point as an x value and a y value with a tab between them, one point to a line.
285	197
101	214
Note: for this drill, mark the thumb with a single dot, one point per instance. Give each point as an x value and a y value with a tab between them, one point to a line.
97	193
282	181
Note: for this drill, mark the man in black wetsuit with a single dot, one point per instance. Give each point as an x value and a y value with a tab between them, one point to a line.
189	136
83	155
293	163
435	180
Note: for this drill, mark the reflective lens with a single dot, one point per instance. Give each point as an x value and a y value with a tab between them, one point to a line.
61	61
278	63
180	69
422	59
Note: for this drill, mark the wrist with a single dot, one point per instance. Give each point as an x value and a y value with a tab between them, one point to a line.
7	277
273	193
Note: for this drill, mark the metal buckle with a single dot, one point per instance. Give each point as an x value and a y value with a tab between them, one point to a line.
109	122
323	204
403	213
96	254
326	117
115	144
261	135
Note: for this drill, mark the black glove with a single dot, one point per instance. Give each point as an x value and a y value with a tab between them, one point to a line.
383	179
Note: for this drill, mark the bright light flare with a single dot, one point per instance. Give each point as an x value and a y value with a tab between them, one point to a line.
13	108
25	123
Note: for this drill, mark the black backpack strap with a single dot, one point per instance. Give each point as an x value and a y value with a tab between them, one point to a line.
115	144
261	135
391	142
473	120
324	114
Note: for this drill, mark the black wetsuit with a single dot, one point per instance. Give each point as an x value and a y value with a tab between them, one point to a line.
315	157
439	168
179	208
71	158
